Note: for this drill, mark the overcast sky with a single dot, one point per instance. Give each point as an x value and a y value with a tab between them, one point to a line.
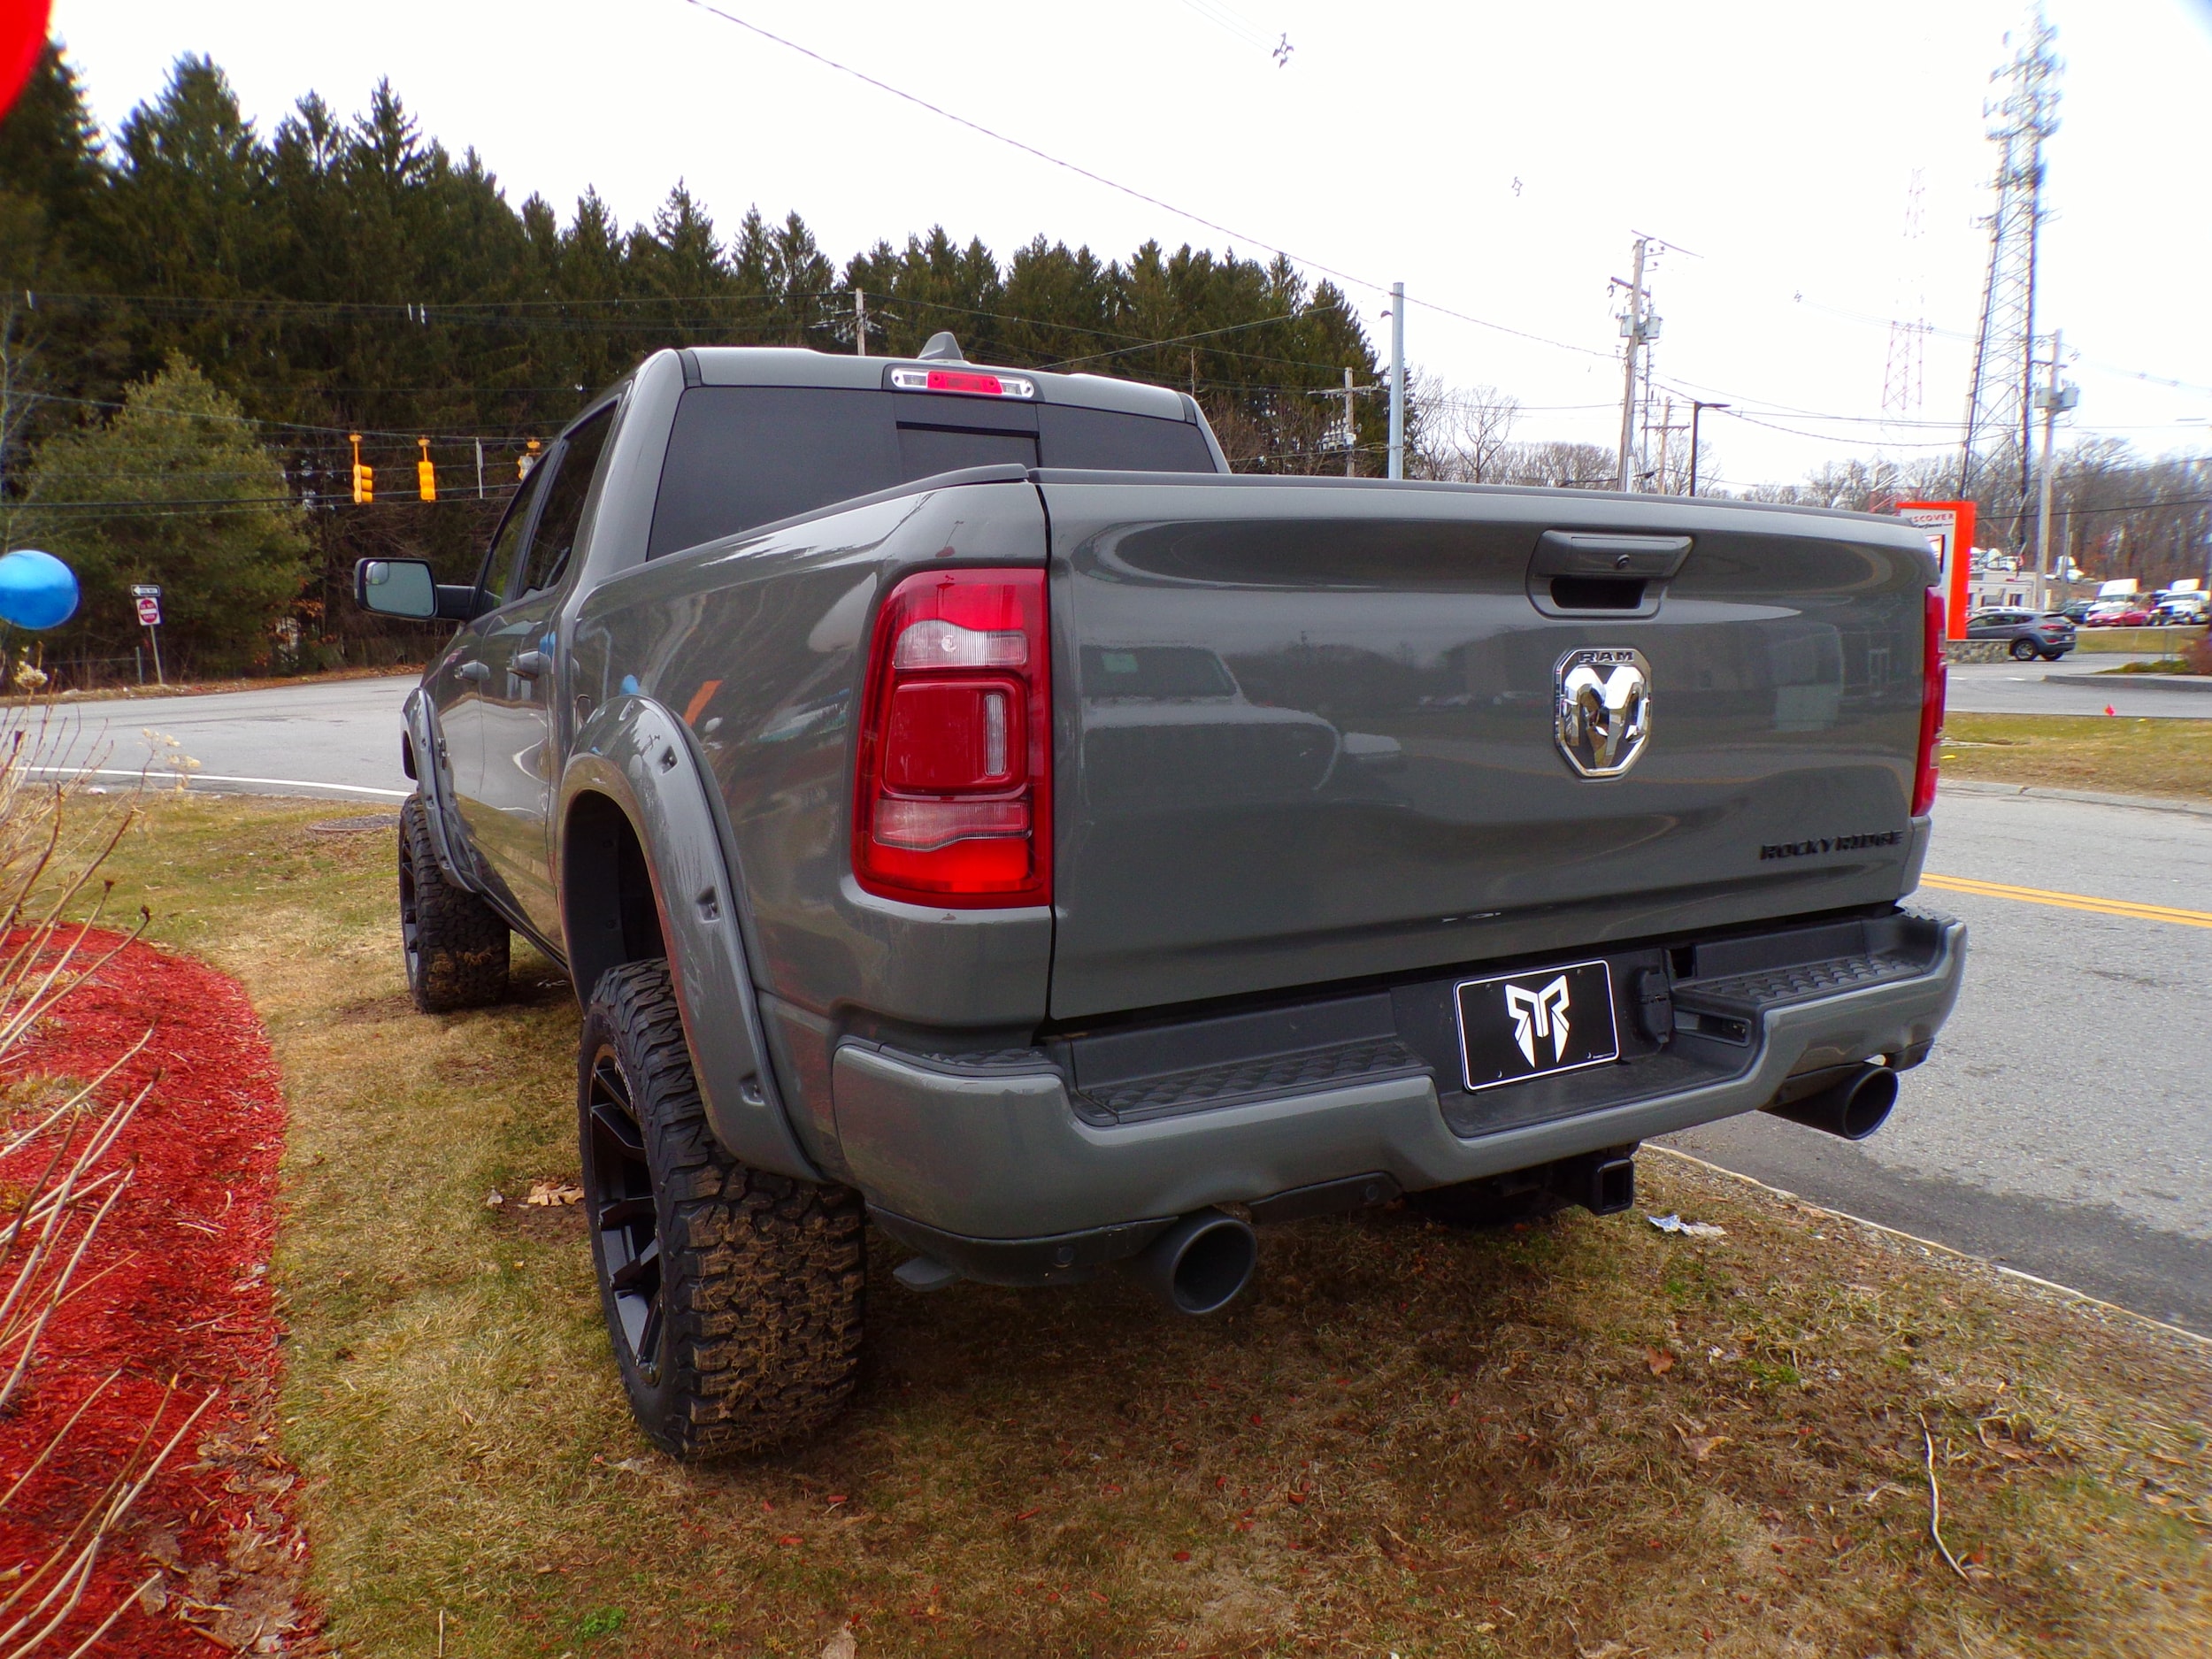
1497	158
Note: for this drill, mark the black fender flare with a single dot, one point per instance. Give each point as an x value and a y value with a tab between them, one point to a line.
433	781
635	752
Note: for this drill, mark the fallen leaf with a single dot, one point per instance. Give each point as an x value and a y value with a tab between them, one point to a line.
841	1645
1660	1361
495	1201
548	1194
1702	1447
1026	1515
1182	1554
789	1541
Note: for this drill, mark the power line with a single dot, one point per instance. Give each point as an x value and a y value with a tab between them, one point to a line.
1116	185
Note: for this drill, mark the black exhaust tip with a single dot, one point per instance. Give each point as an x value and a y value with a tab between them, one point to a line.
1199	1265
1853	1108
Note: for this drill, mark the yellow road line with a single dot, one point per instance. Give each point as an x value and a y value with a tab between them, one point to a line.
2072	901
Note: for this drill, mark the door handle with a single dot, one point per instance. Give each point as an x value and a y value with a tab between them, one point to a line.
529	664
474	671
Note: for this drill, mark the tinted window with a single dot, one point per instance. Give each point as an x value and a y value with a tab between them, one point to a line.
499	562
565	497
1127	443
924	452
742	455
746	455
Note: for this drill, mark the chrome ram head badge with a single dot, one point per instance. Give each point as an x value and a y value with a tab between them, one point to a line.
1604	708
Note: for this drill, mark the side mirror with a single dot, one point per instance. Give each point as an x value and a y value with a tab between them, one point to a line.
405	587
395	587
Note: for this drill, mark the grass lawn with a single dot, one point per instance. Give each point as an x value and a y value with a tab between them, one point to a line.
2073	751
1580	1437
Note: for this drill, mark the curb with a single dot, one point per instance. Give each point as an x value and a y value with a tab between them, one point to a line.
2065	1291
2147	682
2092	797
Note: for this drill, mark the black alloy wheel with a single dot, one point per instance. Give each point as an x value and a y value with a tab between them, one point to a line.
2025	649
733	1296
454	945
625	1231
409	922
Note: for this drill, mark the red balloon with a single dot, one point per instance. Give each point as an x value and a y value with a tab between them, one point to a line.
22	37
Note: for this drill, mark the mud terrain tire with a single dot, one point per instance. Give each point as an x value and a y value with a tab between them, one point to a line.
455	944
733	1297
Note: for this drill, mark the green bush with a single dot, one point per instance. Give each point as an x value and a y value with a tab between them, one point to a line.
173	488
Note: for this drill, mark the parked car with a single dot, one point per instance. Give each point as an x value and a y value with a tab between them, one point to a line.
2183	610
960	807
2120	614
2032	634
2077	611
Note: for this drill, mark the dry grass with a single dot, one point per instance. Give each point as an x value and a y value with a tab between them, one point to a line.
2066	751
1583	1437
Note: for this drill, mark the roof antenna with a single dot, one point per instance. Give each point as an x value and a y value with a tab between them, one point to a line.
943	348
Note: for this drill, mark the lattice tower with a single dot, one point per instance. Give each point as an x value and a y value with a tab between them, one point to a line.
1996	457
1902	376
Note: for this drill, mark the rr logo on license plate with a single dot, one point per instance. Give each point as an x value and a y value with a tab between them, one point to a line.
1514	1026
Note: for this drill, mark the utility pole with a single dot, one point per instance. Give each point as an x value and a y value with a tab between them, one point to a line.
1697	408
1667	429
1632	326
2053	400
860	324
1397	379
1351	425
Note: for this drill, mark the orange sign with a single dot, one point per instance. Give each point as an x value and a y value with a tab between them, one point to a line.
1949	527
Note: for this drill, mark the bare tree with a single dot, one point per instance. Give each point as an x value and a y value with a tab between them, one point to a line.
1558	464
1463	435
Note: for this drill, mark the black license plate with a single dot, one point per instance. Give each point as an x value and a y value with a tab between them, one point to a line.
1520	1026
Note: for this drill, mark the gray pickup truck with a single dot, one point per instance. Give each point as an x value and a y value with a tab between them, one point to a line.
962	807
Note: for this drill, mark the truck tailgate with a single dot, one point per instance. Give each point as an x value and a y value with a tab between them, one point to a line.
1306	728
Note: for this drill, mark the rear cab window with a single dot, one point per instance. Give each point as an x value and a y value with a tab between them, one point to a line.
742	455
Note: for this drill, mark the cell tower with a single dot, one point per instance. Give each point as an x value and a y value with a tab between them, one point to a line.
2000	396
1908	340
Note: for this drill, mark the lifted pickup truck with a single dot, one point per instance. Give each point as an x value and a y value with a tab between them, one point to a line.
961	806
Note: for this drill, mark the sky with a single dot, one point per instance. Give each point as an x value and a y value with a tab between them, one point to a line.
1498	159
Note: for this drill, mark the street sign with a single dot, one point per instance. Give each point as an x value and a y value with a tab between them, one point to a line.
150	610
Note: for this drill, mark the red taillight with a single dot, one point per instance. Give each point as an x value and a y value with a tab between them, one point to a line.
1935	676
952	801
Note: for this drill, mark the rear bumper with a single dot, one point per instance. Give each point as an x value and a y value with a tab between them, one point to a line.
994	1159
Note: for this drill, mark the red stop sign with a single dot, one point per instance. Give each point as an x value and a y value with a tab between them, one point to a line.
22	35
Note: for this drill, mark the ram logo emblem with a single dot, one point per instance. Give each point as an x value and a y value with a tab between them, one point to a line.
1604	708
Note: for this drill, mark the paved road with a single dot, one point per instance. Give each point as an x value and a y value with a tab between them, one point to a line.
338	738
2021	688
2064	1124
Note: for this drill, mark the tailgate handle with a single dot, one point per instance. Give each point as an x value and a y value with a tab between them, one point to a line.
1589	553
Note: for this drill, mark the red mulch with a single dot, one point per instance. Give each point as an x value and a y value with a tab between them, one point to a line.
187	1298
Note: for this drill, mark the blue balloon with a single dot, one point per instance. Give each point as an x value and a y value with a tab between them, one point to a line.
36	589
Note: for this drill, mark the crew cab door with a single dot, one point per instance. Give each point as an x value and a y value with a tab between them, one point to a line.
456	687
508	799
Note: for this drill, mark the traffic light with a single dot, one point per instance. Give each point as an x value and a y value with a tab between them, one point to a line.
364	477
425	474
